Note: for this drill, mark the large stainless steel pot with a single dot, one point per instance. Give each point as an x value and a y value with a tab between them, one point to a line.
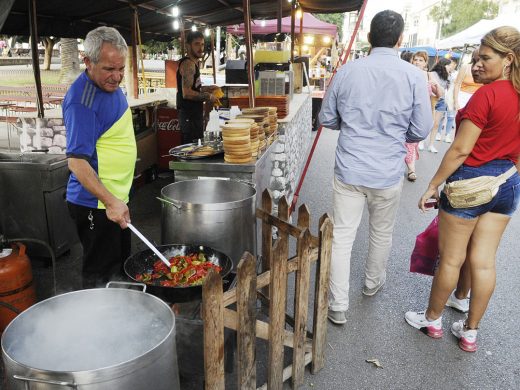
102	339
211	212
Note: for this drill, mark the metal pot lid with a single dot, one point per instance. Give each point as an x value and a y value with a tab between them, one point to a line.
209	194
88	330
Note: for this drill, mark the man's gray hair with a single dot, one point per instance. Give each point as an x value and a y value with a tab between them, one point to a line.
95	39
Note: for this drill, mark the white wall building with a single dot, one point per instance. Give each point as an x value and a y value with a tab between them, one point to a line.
420	28
509	7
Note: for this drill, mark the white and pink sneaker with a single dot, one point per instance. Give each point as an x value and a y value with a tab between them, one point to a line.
418	320
467	337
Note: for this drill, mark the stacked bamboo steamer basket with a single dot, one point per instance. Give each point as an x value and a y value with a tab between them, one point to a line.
266	118
253	133
236	138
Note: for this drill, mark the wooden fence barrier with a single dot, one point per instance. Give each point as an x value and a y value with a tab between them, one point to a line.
307	347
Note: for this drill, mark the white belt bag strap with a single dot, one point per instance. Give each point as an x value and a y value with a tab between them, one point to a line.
477	191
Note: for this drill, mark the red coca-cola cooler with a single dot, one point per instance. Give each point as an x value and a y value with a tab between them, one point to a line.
168	134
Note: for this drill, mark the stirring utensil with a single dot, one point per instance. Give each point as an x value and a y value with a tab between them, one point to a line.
149	244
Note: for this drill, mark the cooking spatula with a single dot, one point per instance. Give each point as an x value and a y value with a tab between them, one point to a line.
149	244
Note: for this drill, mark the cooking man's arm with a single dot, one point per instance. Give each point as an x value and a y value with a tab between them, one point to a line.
117	210
187	71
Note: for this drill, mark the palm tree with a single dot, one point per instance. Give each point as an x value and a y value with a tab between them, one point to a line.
69	60
48	43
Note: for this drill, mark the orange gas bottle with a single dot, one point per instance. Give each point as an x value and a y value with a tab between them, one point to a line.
16	283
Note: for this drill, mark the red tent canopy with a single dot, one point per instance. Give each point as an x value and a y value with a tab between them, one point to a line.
311	25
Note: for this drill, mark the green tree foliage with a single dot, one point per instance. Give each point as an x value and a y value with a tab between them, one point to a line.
456	15
336	19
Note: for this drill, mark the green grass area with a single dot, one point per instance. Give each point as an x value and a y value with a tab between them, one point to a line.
20	80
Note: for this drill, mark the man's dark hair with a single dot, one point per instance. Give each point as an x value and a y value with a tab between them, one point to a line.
386	28
192	35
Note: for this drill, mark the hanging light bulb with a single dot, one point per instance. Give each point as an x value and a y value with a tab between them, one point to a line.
206	32
175	11
193	28
262	23
299	13
176	24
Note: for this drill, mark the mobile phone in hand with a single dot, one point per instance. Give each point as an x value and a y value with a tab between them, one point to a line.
431	203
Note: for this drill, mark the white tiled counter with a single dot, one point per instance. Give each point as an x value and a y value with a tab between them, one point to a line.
290	153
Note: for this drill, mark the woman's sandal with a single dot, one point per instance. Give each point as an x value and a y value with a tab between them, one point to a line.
412	176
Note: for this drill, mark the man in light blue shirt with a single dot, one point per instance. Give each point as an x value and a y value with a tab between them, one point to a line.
378	103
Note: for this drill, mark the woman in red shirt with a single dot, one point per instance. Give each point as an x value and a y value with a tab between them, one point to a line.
487	143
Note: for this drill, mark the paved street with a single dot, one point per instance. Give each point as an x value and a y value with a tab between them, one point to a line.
376	328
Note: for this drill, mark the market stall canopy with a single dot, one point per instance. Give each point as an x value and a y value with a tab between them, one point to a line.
432	52
311	25
73	19
473	34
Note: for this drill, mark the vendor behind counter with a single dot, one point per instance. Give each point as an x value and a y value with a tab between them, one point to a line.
190	92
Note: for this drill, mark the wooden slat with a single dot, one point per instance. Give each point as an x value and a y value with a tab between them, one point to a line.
213	319
286	227
301	307
262	280
283	214
287	371
320	298
246	312
262	330
267	236
277	314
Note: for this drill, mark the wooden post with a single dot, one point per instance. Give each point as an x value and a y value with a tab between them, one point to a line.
249	51
301	33
213	319
277	314
246	310
33	27
135	92
267	236
279	12
213	57
301	307
320	296
293	11
183	37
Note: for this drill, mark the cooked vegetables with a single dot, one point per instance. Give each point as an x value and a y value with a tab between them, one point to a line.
185	271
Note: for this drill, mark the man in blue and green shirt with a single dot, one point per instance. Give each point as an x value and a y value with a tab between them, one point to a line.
101	152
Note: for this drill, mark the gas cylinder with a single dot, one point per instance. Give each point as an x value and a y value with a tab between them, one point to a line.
16	283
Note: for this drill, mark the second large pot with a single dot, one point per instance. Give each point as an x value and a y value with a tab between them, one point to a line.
98	339
212	212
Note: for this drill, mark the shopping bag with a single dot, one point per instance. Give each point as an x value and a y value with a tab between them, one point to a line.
425	255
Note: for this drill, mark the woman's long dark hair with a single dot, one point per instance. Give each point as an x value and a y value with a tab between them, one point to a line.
440	68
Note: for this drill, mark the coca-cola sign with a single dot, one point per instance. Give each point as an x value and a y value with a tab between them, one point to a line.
171	125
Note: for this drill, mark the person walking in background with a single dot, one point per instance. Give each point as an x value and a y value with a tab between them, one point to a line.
465	84
487	143
419	59
447	121
407	56
374	124
101	151
440	75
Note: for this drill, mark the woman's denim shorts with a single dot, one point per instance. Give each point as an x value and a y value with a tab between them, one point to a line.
505	201
441	105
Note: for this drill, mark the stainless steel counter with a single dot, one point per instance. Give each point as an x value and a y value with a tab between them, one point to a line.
257	172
